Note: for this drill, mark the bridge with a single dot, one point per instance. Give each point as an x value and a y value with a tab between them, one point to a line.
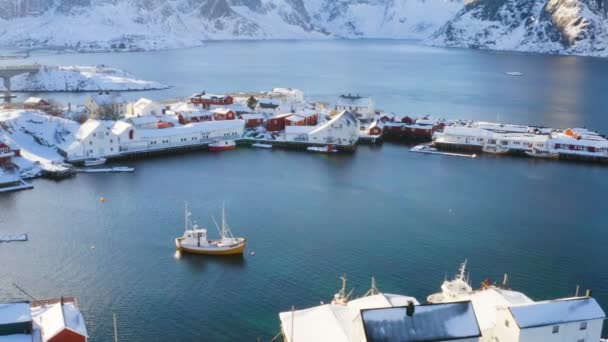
9	71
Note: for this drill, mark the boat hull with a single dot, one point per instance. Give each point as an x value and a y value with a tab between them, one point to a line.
543	155
95	162
495	150
232	250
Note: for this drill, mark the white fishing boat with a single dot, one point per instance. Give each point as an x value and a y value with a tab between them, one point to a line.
453	290
536	153
514	73
195	239
260	145
494	149
425	148
222	145
94	161
323	149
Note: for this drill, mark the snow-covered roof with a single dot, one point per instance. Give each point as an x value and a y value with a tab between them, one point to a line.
238	108
295	118
34	100
199	127
143	120
56	317
121	126
14	312
467	131
222	110
493	126
288	91
251	116
487	302
143	102
87	128
192	112
354	101
345	116
557	312
434	322
333	323
107	99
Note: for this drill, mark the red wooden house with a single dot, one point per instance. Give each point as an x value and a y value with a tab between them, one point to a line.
252	120
374	129
223	114
36	103
187	116
277	123
207	100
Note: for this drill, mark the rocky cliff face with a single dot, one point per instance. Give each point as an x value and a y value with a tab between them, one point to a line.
553	26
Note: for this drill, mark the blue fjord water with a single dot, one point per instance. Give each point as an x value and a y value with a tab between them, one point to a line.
405	218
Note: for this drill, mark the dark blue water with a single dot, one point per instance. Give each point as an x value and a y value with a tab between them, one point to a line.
402	217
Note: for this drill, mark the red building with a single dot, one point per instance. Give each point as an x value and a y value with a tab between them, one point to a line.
223	114
407	120
59	320
187	116
6	155
252	120
36	103
207	100
277	123
374	129
302	119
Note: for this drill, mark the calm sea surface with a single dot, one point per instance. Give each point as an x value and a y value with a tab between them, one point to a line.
405	218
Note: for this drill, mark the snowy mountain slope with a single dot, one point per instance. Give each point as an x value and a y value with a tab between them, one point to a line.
90	25
553	26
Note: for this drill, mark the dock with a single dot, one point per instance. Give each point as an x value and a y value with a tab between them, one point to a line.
107	170
13	237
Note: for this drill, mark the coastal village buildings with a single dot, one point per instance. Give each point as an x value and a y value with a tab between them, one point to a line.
106	106
206	101
93	139
223	114
145	107
342	129
252	120
36	103
362	107
56	320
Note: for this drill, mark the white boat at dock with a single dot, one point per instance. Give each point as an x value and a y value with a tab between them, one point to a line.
222	145
425	148
323	149
94	161
195	239
536	153
261	145
514	73
494	149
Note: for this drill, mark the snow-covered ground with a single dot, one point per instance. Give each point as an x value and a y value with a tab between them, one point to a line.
38	136
81	78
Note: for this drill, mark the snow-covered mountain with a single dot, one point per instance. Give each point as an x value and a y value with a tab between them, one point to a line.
553	26
154	24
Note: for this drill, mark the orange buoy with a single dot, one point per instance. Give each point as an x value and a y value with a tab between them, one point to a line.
102	199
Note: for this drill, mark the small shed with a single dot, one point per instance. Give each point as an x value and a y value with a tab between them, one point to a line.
15	318
223	114
60	322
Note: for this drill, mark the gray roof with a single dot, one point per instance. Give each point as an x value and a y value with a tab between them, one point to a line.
433	322
556	312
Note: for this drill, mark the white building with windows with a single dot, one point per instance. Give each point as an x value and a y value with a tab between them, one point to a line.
106	106
342	129
145	107
362	106
93	139
577	319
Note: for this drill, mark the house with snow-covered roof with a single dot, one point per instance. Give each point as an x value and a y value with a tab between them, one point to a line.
36	103
288	94
420	323
361	106
145	107
577	319
93	139
106	106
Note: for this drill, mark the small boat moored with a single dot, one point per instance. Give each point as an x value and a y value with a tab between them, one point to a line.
495	149
536	153
222	145
195	239
260	145
323	149
94	161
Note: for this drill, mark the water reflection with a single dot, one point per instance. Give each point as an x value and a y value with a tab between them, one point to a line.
199	262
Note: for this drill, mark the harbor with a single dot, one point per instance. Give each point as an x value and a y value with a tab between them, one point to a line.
405	218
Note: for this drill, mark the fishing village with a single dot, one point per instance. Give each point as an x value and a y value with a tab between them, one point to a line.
43	139
40	139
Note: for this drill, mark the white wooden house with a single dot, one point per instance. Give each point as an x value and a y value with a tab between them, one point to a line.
145	107
106	106
362	106
94	139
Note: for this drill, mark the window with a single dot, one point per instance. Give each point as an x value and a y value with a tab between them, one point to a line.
506	323
583	326
91	142
94	134
556	329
